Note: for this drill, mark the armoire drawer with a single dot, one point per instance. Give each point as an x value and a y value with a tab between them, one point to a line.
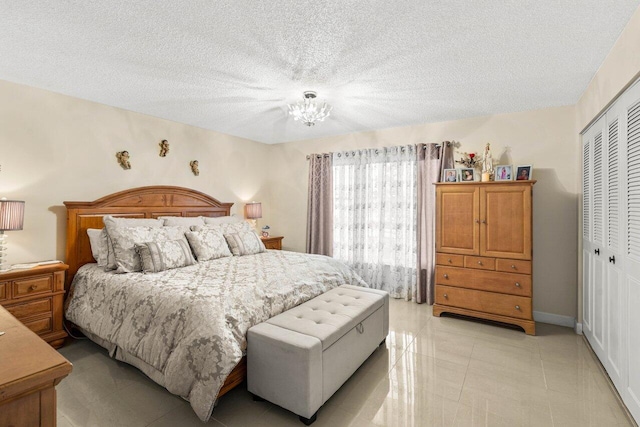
3	291
494	281
450	260
480	263
513	266
486	302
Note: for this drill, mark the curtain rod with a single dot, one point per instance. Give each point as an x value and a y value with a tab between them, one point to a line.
319	156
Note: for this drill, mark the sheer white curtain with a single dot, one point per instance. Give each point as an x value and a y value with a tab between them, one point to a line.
375	216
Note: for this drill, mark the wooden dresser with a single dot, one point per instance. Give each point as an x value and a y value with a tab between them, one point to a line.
29	371
35	296
273	242
484	251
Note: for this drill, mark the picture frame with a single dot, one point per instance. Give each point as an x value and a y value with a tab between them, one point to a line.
450	175
524	172
504	173
467	175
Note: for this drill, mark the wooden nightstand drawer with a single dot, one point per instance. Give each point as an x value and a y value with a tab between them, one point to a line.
40	326
3	290
32	286
272	242
30	309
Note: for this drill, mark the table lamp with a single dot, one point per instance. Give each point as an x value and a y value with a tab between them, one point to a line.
253	211
11	218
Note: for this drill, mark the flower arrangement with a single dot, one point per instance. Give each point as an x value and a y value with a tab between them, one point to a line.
469	160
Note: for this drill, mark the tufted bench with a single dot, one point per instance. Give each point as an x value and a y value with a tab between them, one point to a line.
301	357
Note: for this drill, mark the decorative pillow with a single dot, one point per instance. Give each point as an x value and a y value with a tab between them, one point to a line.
113	222
245	243
217	220
99	245
165	255
182	221
208	243
124	240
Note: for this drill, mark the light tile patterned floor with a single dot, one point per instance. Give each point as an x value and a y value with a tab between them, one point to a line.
432	372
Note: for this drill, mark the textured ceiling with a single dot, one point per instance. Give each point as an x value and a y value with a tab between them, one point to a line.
232	66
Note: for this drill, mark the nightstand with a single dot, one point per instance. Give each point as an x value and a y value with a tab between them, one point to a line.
273	242
35	297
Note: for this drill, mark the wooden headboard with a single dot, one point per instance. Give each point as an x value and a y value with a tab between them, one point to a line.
142	202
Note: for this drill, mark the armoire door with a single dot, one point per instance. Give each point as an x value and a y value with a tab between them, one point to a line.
505	221
457	217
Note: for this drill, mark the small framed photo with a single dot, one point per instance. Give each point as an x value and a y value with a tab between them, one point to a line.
504	173
466	175
450	175
524	172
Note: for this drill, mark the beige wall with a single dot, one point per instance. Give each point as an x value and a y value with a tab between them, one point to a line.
55	148
620	68
545	138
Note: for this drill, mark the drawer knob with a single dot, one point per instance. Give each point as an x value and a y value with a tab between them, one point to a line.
445	295
477	221
484	221
450	261
33	287
479	262
446	276
517	285
517	307
513	266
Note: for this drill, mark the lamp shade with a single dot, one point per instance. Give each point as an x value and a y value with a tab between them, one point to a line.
253	210
11	215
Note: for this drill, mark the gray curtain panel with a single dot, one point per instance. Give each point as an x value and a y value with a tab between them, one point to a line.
320	205
432	160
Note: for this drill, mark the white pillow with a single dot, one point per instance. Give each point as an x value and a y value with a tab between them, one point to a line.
216	220
116	221
181	221
99	245
245	243
208	243
226	227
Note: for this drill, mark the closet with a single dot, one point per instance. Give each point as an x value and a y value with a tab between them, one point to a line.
611	243
484	251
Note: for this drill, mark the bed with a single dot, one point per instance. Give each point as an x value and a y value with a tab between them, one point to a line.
185	328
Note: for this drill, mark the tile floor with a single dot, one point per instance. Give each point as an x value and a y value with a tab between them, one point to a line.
432	372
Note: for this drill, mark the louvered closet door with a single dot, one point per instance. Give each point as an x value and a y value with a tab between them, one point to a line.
631	194
594	267
587	293
615	288
598	273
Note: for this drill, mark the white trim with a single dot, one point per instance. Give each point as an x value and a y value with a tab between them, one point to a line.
554	319
578	328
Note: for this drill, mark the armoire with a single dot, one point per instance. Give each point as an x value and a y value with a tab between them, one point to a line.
611	243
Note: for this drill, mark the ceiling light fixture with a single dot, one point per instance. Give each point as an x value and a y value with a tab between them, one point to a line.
307	110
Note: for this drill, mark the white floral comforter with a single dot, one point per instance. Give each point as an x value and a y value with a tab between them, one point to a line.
191	323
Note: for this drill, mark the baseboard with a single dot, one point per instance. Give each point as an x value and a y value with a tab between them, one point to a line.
578	328
554	319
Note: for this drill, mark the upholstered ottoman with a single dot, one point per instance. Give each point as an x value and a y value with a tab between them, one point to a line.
299	358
